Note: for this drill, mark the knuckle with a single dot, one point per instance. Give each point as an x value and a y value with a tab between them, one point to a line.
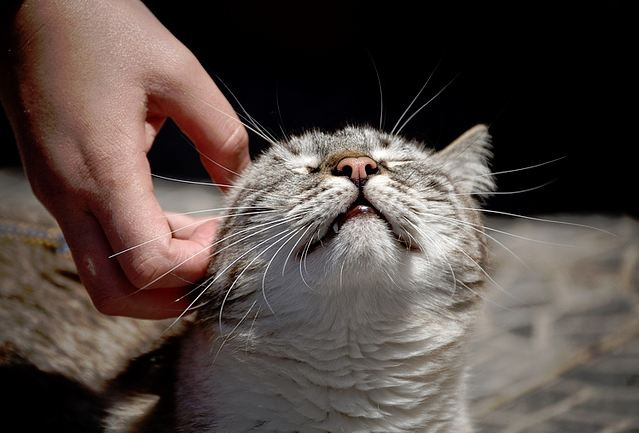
146	268
236	143
181	62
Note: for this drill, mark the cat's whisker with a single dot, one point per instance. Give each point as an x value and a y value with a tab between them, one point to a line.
510	234
310	225
303	261
228	292
202	154
250	331
415	98
188	282
534	166
195	223
208	247
279	113
425	235
494	282
490	193
460	223
452	272
543	220
392	280
213	278
269	265
213	184
341	275
230	334
484	298
539	219
204	211
233	118
426	104
381	94
248	116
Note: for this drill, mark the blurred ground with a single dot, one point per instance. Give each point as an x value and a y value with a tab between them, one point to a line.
557	344
557	348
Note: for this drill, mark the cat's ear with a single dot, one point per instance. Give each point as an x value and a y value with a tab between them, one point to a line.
467	159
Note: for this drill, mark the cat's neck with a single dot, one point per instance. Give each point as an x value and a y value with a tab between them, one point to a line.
327	374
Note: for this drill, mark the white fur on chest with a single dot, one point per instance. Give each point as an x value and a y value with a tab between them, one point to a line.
332	369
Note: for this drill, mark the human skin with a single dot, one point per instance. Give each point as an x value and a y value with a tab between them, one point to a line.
87	86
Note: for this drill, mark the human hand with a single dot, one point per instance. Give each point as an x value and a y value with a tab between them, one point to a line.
87	86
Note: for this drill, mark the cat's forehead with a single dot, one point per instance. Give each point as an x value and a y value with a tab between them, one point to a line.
317	145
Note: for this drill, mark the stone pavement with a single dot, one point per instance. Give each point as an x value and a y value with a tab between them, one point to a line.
557	347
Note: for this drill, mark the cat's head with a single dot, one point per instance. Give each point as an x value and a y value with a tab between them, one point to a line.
353	215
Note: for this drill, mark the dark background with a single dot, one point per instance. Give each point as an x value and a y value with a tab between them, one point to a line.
551	79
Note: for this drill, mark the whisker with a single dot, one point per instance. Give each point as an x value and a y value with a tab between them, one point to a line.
341	275
483	271
250	332
198	222
212	279
426	104
502	172
270	224
230	334
486	299
269	265
228	292
381	94
579	225
454	279
279	112
510	234
490	193
203	211
303	260
475	227
220	250
422	233
310	225
222	112
202	154
248	117
415	99
214	184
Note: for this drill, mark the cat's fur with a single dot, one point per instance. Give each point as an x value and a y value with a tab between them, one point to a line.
299	329
363	330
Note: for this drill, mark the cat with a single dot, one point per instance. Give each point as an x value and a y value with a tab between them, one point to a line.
340	297
343	297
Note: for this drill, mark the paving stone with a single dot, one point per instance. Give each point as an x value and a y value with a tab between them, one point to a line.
562	343
563	425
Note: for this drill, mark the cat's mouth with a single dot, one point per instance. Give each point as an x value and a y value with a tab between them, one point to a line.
360	208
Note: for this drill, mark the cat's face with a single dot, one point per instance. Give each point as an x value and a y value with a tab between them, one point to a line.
357	214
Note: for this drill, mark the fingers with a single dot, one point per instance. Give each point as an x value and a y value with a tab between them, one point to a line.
148	281
116	211
109	288
203	113
131	217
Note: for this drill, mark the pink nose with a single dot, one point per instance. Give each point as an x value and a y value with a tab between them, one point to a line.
358	169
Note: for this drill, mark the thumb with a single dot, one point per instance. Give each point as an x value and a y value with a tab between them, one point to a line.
202	112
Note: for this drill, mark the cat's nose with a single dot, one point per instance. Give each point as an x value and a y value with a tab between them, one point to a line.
358	169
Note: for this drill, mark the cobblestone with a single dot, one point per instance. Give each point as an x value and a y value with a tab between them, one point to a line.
560	351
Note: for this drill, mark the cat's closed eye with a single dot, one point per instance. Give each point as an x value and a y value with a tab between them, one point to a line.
305	170
391	164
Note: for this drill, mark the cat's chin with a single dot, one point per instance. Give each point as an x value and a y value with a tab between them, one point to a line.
365	241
